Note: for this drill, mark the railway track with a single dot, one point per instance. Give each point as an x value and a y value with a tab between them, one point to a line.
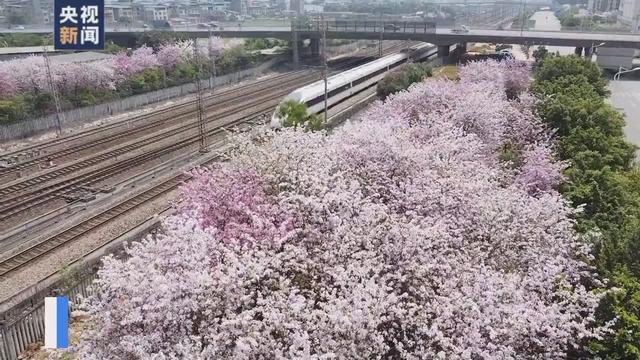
233	105
37	250
37	149
155	120
11	206
49	244
25	194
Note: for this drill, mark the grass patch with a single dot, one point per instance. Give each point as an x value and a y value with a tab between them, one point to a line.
449	72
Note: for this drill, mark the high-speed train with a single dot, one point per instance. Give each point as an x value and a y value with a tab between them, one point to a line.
345	84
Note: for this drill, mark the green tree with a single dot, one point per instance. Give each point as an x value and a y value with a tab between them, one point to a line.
113	48
295	114
540	53
561	66
603	180
233	59
13	109
403	77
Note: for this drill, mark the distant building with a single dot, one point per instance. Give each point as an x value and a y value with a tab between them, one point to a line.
30	11
603	5
313	9
149	12
238	6
297	6
115	13
630	12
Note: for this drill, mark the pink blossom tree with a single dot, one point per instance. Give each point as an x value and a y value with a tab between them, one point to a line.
400	236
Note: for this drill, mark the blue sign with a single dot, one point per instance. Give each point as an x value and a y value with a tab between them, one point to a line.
79	24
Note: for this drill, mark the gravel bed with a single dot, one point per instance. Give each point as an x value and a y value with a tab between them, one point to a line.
24	277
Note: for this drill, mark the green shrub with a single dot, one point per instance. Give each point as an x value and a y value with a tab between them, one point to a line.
13	109
402	77
295	114
603	179
558	67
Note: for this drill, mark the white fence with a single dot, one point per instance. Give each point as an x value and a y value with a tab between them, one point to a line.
78	116
23	323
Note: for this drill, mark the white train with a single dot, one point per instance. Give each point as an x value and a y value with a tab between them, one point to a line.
345	84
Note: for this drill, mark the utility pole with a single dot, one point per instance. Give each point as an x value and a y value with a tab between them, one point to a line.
381	31
524	8
212	78
325	69
201	119
54	91
210	58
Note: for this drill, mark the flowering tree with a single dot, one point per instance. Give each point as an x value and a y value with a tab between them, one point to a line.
8	84
215	45
141	59
401	236
29	75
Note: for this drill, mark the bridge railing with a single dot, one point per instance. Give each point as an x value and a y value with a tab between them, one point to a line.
366	26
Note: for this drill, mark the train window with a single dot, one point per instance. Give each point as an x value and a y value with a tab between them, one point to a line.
398	64
365	78
334	92
315	101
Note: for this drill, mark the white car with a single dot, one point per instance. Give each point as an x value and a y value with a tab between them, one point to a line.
461	29
18	27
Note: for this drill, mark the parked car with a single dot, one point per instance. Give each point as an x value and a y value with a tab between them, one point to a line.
503	46
505	54
391	27
18	27
460	29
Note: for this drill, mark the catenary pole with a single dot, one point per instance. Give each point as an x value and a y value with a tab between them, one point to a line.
54	91
325	69
199	102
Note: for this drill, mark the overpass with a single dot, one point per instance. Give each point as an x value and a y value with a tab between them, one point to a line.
416	31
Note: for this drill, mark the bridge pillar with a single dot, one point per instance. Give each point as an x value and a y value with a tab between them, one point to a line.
578	51
295	47
315	47
443	50
587	52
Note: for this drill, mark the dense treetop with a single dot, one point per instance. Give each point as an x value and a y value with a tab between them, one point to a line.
410	234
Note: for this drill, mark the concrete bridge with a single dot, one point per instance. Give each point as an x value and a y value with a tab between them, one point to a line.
438	36
417	31
397	30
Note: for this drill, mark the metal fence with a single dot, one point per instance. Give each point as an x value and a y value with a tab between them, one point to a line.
386	26
16	336
88	114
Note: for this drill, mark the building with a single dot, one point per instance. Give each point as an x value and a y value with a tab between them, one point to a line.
26	11
297	6
630	13
238	6
118	13
313	9
603	5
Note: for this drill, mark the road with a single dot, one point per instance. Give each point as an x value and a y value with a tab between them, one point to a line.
545	33
625	96
547	21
